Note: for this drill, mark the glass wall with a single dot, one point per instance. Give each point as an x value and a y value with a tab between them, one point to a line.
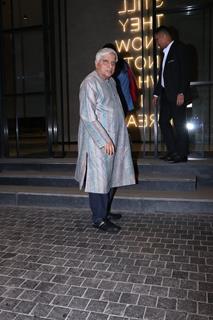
35	105
193	22
23	75
47	47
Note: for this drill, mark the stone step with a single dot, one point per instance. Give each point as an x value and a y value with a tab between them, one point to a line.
162	187
126	199
43	165
145	181
198	167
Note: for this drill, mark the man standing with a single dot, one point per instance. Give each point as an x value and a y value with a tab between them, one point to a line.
104	155
173	89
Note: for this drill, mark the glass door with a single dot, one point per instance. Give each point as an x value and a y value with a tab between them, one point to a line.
192	22
25	72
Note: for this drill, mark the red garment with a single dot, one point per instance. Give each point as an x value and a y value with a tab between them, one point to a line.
132	85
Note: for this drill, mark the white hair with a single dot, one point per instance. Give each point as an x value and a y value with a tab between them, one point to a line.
102	52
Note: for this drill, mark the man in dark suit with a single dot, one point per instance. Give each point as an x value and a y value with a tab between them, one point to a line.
172	88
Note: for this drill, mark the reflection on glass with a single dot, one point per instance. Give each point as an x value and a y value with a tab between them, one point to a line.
27	13
194	28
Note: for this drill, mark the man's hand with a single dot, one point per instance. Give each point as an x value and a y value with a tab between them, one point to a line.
109	148
154	100
180	99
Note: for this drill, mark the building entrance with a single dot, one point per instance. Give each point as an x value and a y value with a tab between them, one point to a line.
48	46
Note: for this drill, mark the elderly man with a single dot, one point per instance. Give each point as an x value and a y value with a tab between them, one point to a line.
104	155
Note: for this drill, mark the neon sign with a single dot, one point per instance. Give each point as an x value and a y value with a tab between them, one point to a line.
131	19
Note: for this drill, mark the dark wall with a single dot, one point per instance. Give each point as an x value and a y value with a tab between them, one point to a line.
90	25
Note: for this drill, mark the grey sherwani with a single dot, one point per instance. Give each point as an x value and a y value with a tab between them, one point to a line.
102	119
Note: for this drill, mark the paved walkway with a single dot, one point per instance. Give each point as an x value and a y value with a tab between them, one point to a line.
55	266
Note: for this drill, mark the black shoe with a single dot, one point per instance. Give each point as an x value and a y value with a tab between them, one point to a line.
111	224
107	226
172	157
178	159
114	216
165	156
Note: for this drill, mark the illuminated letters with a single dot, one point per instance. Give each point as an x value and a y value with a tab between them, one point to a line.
123	45
159	3
124	24
138	52
131	25
159	17
148	42
132	121
141	121
152	120
138	63
148	81
137	44
130	6
147	22
135	24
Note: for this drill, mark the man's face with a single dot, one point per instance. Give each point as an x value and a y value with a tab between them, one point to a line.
161	40
105	67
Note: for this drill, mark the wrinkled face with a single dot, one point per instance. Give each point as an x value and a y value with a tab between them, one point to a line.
105	67
162	40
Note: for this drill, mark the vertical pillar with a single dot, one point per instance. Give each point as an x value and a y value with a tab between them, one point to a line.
4	150
155	78
46	31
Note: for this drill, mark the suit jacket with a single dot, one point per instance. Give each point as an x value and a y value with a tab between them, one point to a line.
176	74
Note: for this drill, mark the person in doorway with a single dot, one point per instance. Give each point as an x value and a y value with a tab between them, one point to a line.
125	82
104	156
173	90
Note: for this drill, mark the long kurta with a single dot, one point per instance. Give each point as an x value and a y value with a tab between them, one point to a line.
102	120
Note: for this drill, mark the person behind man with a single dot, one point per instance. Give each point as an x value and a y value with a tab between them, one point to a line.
125	81
173	89
104	155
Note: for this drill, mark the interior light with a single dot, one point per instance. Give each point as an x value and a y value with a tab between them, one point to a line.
190	126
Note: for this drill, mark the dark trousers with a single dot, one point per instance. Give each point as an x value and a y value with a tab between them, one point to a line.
100	204
176	136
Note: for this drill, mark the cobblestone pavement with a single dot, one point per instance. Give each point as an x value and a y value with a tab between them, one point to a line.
54	265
